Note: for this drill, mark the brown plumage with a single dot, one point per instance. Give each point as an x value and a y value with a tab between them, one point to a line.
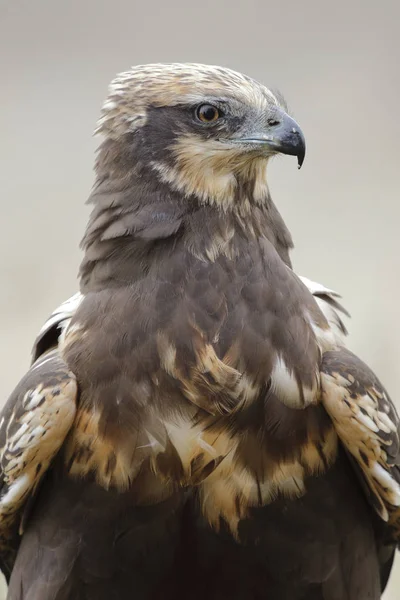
198	429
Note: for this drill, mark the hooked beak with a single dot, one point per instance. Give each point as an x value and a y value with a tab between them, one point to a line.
281	135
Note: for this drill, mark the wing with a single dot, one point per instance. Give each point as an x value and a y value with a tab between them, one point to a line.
328	302
368	425
55	325
33	426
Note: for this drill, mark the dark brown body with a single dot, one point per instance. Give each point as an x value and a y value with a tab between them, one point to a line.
158	539
95	545
199	460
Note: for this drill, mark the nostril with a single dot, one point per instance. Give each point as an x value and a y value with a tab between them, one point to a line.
273	122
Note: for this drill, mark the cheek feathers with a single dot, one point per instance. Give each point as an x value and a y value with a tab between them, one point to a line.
213	173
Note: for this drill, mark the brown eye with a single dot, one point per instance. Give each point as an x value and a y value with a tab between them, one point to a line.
207	113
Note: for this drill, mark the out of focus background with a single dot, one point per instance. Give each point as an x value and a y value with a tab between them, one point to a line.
336	63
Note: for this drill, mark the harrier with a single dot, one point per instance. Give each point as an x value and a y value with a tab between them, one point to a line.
193	426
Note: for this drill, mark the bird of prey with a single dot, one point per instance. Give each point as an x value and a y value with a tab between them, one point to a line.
192	425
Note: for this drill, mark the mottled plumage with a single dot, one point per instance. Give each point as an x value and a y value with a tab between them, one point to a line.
192	425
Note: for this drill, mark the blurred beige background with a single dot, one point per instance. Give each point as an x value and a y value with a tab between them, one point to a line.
337	64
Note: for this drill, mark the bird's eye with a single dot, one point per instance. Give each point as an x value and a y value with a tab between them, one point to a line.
207	113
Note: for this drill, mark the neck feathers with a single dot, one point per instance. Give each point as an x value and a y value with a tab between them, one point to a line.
139	219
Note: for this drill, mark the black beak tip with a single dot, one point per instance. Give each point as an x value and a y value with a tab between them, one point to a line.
300	144
301	156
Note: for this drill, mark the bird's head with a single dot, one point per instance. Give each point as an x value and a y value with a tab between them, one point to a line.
204	131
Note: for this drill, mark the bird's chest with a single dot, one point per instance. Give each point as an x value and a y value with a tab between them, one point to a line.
250	329
213	385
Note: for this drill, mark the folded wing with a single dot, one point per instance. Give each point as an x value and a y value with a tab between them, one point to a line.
368	426
33	426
